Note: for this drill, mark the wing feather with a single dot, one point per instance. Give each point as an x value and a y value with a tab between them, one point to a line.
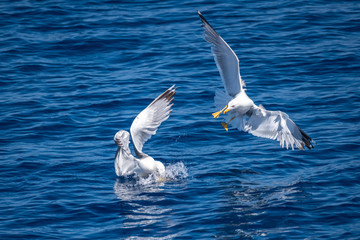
147	122
278	126
226	60
221	99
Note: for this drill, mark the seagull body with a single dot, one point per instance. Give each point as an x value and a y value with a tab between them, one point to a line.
143	127
241	103
243	113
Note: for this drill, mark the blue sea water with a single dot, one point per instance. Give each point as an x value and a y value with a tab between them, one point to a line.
73	73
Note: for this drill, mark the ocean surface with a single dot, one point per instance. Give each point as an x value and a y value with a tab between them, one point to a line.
73	73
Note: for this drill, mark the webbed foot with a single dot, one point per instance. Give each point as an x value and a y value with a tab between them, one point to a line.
225	125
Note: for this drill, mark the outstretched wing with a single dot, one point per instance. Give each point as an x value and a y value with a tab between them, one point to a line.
278	126
225	58
125	162
147	122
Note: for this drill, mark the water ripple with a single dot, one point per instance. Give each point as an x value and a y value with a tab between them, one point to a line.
74	73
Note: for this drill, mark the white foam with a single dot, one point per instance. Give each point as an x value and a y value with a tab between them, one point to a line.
173	172
176	171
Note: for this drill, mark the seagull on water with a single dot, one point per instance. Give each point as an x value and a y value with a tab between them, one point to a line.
143	127
243	113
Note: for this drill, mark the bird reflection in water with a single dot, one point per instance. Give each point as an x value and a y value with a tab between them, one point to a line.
144	197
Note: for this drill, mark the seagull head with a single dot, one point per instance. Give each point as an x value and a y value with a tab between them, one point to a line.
230	106
121	136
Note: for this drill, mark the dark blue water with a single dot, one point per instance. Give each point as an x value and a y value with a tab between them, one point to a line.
73	73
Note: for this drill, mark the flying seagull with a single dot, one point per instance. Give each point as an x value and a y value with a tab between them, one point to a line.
243	113
143	127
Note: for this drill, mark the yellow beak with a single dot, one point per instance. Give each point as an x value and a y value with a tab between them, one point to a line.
226	111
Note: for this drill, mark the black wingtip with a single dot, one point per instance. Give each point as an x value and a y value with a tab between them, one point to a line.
306	139
202	18
172	88
205	22
169	94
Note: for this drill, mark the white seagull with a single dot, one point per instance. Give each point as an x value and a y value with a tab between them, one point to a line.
244	114
143	127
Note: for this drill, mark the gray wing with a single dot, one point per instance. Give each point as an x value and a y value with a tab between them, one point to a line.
147	122
278	126
125	162
225	58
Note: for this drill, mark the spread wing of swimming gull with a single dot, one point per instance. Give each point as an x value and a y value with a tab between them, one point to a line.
143	127
243	113
225	58
147	122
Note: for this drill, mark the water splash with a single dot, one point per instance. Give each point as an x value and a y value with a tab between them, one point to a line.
132	187
176	171
173	172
